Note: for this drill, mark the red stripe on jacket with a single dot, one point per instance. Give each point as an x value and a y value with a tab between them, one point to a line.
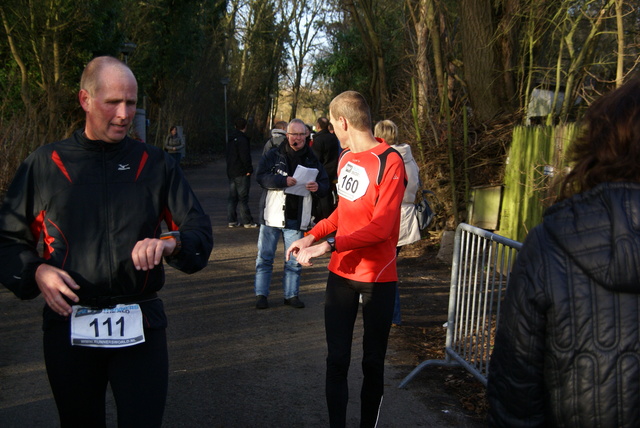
143	162
56	159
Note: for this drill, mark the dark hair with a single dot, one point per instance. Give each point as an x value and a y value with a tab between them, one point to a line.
323	123
240	123
608	147
281	125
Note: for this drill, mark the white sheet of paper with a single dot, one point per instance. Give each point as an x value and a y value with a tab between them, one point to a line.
303	175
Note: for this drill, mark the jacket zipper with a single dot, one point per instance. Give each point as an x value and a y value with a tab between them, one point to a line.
107	209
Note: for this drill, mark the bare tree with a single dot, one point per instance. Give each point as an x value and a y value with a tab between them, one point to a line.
364	16
39	36
257	55
620	37
481	65
306	25
425	28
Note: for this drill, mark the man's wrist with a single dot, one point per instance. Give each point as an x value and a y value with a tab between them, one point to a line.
174	234
332	244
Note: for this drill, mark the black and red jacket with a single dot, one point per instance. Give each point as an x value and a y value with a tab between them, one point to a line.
88	203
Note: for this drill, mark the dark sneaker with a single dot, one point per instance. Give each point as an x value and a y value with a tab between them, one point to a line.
294	302
262	302
234	224
250	226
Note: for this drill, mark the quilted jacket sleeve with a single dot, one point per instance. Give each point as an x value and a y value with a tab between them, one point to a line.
516	381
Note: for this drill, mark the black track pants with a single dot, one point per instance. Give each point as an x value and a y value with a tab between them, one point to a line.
79	375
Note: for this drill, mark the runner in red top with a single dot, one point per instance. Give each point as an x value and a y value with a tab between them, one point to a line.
371	184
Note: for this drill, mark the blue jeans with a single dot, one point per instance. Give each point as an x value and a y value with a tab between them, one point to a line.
239	198
267	244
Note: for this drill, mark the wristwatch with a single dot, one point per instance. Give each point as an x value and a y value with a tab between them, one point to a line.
174	234
332	243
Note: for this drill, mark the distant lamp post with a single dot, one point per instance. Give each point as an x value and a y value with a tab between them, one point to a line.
271	112
126	49
225	82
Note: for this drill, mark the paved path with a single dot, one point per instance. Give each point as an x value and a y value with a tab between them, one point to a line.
230	364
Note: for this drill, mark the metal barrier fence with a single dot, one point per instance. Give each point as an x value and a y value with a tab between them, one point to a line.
480	273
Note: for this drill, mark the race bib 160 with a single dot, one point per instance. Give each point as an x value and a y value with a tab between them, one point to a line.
353	182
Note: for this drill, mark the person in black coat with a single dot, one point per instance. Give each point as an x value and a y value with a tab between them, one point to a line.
567	348
326	147
239	170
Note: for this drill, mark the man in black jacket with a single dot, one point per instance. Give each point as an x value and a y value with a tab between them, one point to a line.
239	170
96	202
326	147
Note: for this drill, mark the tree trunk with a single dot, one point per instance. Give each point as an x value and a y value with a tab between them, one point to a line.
438	62
480	62
508	36
620	40
579	61
24	78
366	27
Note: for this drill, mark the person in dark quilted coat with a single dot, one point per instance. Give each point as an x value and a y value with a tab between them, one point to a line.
567	348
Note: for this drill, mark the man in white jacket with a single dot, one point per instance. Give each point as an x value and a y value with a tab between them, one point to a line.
284	214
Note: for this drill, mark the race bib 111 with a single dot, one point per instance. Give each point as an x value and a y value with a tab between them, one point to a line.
107	328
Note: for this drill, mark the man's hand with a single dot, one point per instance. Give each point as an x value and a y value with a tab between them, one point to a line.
298	245
291	181
312	186
55	283
147	253
304	252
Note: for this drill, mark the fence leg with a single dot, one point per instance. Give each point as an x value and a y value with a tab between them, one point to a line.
474	277
418	369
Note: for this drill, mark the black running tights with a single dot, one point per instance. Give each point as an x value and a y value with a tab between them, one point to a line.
79	376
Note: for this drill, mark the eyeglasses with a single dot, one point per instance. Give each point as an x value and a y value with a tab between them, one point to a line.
297	135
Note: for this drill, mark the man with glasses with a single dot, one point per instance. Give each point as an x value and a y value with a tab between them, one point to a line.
284	213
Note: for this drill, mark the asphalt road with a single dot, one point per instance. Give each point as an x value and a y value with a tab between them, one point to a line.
230	364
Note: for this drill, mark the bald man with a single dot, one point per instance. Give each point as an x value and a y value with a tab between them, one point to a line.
97	201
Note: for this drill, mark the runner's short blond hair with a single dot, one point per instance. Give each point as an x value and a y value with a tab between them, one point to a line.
352	106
